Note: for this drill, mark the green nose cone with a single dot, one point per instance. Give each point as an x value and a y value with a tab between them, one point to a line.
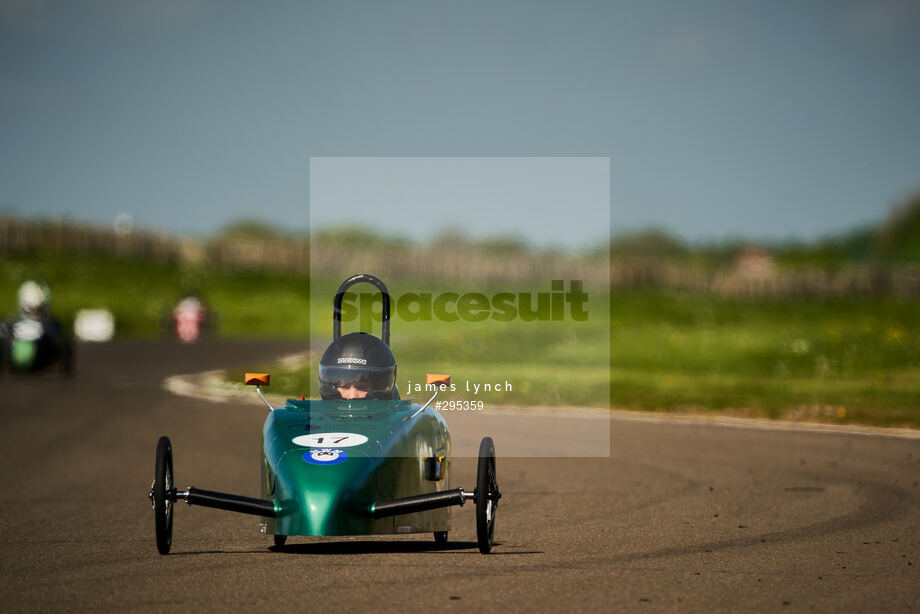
325	499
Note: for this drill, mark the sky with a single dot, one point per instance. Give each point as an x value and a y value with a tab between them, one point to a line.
562	202
720	119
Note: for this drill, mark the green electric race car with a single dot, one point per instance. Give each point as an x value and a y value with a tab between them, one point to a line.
347	466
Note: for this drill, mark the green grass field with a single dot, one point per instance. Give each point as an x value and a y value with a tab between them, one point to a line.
139	292
840	360
849	359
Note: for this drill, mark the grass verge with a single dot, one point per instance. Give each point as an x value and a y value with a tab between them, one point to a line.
854	359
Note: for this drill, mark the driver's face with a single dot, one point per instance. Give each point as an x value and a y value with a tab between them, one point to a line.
350	391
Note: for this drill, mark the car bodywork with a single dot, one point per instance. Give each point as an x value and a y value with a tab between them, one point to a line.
326	462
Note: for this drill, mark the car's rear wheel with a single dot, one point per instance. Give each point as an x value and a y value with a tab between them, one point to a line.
440	537
487	496
280	540
163	495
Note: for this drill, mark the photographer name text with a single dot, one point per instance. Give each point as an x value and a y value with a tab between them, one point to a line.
473	387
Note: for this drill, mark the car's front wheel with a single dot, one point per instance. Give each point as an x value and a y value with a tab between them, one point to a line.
163	495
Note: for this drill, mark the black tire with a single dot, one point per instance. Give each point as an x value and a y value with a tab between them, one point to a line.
163	495
440	537
279	541
487	496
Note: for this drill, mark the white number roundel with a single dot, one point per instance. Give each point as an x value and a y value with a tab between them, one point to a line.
329	440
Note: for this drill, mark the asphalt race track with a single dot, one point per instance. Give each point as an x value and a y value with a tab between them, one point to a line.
680	517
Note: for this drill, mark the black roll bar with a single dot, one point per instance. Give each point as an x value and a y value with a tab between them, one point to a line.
340	295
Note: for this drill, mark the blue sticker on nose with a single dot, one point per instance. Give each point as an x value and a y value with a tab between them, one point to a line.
325	456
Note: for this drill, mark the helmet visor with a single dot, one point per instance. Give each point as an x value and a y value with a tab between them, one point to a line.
376	382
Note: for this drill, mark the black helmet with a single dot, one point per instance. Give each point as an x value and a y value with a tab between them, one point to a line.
360	360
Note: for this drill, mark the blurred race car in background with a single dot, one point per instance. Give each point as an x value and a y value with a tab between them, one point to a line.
191	319
33	339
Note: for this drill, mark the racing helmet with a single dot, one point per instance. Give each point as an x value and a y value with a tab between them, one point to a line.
34	297
360	360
